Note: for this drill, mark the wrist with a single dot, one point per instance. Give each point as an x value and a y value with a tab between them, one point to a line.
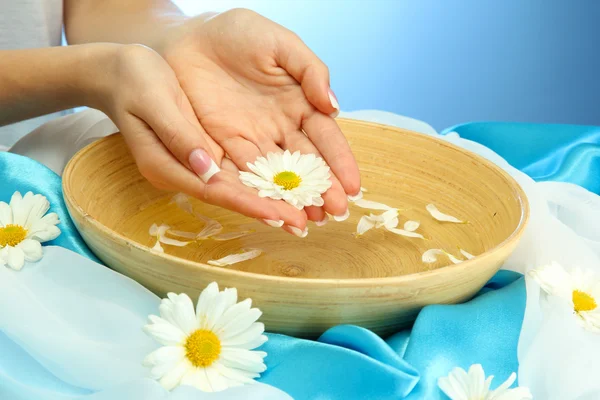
94	73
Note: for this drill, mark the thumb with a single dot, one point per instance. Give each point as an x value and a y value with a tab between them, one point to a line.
313	75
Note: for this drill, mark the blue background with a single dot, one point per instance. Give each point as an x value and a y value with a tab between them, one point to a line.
450	61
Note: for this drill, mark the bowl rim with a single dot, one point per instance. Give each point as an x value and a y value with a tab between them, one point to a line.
299	282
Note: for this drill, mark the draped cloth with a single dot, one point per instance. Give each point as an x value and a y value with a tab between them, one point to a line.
70	328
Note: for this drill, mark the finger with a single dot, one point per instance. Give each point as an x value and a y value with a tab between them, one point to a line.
327	137
316	214
163	170
242	151
183	136
246	200
313	75
335	199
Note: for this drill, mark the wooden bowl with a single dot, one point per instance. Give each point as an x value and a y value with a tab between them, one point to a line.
305	286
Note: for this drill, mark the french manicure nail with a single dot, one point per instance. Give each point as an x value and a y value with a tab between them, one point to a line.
340	218
334	104
356	197
273	223
323	222
299	232
203	165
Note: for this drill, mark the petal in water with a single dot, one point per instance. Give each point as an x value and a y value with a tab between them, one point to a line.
431	255
371	205
465	253
210	229
440	216
236	258
406	233
183	234
231	235
411	226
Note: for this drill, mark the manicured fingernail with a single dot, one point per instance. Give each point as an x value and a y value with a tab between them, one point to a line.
334	104
323	222
273	223
203	165
356	197
299	232
341	218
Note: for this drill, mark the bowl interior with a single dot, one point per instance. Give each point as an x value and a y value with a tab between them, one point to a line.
399	168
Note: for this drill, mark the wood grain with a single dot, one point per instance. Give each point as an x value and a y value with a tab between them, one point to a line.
305	286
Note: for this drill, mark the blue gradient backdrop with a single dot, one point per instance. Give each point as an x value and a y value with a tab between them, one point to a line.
451	61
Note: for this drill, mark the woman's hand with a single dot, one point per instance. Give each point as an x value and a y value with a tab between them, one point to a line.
140	92
255	88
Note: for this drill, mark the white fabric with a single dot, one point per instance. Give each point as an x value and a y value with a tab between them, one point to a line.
27	24
83	322
54	143
558	360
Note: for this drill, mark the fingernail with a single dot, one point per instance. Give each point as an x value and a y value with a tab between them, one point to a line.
299	232
356	197
334	104
343	217
323	222
203	165
273	223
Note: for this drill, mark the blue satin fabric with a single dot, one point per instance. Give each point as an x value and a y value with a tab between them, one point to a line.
546	152
349	362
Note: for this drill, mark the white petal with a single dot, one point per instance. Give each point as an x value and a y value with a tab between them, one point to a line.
364	224
388	218
173	378
246	360
440	216
43	232
231	235
6	217
205	301
196	377
183	202
209	230
164	355
467	255
240	324
505	385
403	232
411	226
158	247
183	234
32	250
165	333
371	205
252	334
172	242
216	381
222	302
179	310
15	258
590	320
236	375
233	313
39	205
362	189
519	393
554	279
430	256
236	258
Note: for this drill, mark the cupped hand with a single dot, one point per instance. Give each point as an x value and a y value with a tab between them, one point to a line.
257	88
139	91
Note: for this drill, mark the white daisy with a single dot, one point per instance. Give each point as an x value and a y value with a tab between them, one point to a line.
460	385
579	288
211	348
24	225
299	179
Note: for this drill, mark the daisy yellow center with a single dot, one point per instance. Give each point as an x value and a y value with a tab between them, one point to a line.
12	235
202	348
287	179
583	301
